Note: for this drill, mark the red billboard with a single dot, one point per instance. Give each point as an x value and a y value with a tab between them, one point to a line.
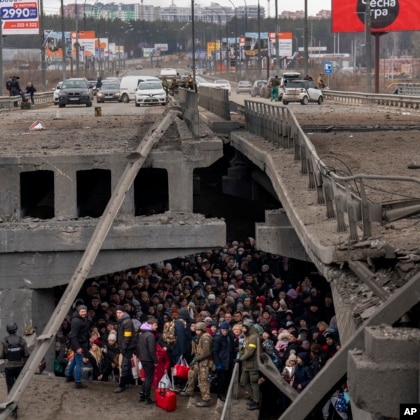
385	15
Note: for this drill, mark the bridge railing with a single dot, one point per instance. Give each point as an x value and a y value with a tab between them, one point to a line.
232	394
345	197
9	102
401	100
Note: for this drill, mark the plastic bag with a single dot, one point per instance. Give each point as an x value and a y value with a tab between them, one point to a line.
165	381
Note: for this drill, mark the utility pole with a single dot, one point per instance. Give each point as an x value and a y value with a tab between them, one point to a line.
277	36
63	42
305	40
368	42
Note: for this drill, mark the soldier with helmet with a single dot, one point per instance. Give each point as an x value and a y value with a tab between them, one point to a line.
14	350
201	366
249	359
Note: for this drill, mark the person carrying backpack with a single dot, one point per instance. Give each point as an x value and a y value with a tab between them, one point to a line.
14	350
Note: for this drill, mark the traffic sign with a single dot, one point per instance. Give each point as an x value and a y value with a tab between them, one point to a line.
328	67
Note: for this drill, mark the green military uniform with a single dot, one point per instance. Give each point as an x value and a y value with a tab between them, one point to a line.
201	366
250	372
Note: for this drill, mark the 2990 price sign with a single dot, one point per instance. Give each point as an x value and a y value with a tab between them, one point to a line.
19	17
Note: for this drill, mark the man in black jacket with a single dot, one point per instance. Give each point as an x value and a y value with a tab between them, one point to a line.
223	356
146	352
79	343
126	337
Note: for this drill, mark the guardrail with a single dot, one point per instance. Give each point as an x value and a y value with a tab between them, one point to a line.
345	197
356	98
232	393
10	102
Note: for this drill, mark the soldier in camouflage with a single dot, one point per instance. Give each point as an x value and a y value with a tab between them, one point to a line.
201	366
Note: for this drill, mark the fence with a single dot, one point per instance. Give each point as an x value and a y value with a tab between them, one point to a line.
10	102
342	195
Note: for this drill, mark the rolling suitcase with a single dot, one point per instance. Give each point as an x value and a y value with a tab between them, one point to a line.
165	399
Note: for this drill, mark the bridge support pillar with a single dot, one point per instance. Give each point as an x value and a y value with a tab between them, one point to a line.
278	236
386	373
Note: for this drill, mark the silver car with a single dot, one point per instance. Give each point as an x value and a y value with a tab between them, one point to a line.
303	91
109	91
150	93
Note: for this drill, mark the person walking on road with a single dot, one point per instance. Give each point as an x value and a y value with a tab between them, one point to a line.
79	343
146	352
126	336
275	83
14	350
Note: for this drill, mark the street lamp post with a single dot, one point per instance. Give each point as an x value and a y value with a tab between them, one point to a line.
246	30
305	40
259	41
277	36
193	44
236	42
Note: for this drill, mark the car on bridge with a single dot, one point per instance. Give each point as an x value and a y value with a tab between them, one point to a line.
256	88
75	92
109	91
244	86
303	91
223	84
150	92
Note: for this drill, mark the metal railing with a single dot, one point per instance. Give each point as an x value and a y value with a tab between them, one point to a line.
232	393
400	100
10	102
342	195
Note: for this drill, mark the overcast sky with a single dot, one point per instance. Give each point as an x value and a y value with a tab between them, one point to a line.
51	6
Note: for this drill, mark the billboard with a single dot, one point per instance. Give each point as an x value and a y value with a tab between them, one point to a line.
19	17
385	15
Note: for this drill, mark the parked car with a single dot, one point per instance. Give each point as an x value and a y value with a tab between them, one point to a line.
57	92
244	86
303	91
223	84
256	87
75	92
200	81
265	91
150	92
288	75
109	91
129	85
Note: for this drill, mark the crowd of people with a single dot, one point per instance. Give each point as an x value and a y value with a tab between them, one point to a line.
210	311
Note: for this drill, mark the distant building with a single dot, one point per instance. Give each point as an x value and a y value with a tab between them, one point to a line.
143	12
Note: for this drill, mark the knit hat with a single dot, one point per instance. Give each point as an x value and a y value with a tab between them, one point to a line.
120	308
112	336
224	326
200	326
211	296
80	307
292	294
292	356
184	314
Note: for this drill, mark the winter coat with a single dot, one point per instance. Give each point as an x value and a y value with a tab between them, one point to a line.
223	350
182	345
250	354
164	363
303	375
79	334
146	345
126	334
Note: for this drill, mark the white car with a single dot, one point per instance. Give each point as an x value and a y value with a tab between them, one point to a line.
57	92
150	92
223	84
200	81
303	91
